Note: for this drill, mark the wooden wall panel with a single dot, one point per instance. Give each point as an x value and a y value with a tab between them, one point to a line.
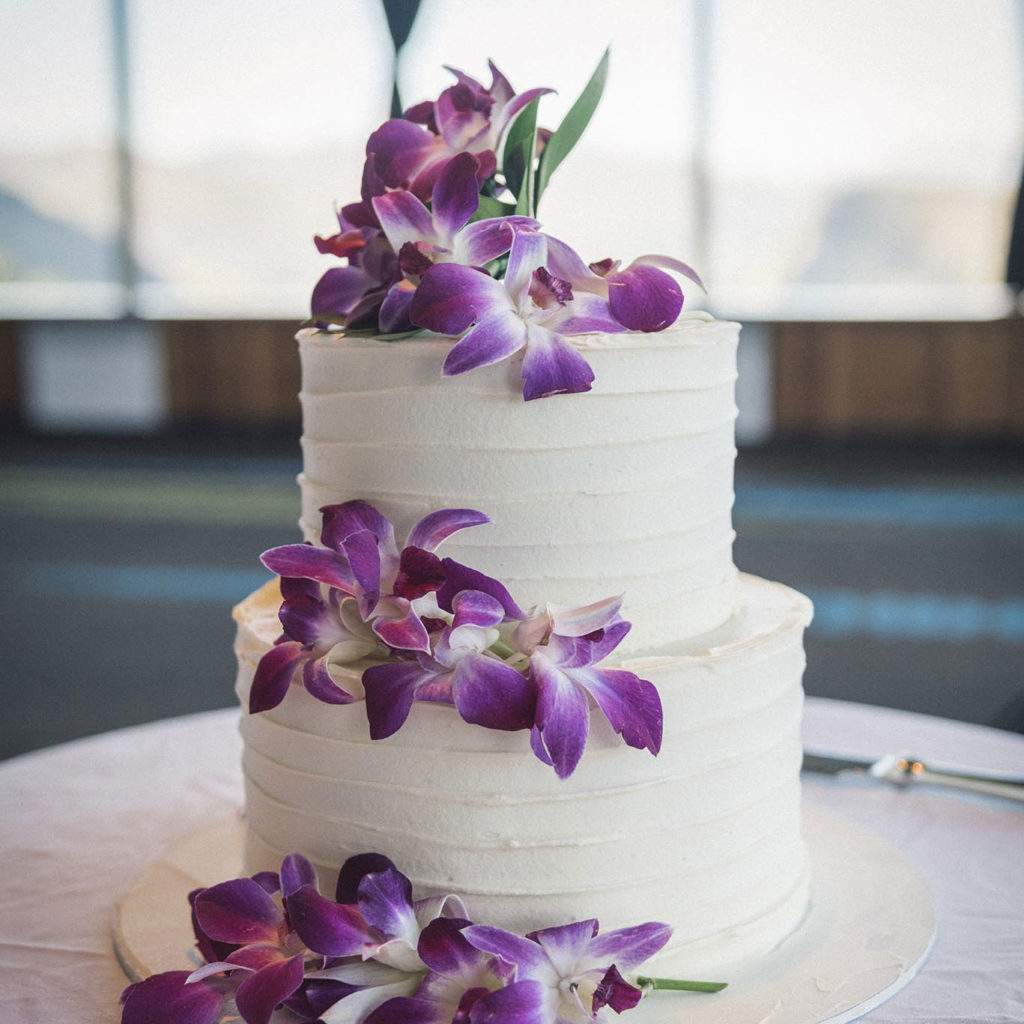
923	379
231	372
10	385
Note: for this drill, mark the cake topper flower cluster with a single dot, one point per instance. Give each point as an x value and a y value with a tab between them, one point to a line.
431	629
445	238
374	955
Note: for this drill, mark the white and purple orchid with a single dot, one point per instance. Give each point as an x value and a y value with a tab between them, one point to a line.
426	628
565	647
484	690
578	968
531	310
446	191
376	955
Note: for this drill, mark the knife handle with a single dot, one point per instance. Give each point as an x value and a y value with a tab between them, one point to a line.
905	771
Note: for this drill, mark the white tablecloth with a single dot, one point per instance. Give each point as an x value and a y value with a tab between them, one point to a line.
79	821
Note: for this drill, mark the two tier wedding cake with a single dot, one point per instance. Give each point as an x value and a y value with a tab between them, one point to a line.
511	666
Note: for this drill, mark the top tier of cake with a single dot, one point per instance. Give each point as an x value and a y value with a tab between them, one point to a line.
625	489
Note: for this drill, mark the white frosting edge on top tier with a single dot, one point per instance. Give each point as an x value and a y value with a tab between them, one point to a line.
645	513
706	836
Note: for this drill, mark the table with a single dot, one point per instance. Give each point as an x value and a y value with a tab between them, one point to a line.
79	821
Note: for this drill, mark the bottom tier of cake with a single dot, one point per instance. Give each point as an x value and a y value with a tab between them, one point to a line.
705	837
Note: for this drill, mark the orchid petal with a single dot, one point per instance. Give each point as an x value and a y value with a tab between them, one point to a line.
514	949
341	521
296	872
451	297
528	252
432	529
486	240
402	151
385	899
260	994
613	990
456	196
457	119
563	716
318	683
492	694
585	314
337	292
394	310
363	554
403	218
567	621
390	690
355	869
274	675
306	618
552	366
311	563
214	969
419	572
167	999
253	957
410	1010
317	995
432	907
515	105
475	608
629	947
460	577
268	881
563	261
238	911
356	1008
496	337
537	745
326	927
565	944
445	950
522	1002
668	263
400	627
630	704
644	298
610	638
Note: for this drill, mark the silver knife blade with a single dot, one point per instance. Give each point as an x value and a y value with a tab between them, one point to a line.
827	764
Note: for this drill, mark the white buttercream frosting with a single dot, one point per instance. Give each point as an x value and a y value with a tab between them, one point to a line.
706	836
624	489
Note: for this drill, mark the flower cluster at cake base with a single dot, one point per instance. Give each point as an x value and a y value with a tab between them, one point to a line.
444	237
427	628
375	955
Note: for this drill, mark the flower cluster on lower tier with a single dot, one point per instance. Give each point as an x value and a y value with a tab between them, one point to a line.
432	629
373	954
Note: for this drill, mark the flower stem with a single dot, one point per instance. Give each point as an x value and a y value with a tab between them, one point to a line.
502	649
678	985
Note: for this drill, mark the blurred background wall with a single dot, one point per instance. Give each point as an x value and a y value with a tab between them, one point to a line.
844	175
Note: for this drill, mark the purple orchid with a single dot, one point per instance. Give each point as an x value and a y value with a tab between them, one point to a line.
531	309
565	646
354	295
315	631
463	984
410	153
360	557
484	690
443	234
578	968
641	297
257	960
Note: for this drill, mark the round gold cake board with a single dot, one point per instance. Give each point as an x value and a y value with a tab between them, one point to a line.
869	929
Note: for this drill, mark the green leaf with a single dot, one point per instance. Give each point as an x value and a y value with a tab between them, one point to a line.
572	127
517	162
491	207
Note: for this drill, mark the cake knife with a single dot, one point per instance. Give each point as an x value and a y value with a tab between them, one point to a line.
905	771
